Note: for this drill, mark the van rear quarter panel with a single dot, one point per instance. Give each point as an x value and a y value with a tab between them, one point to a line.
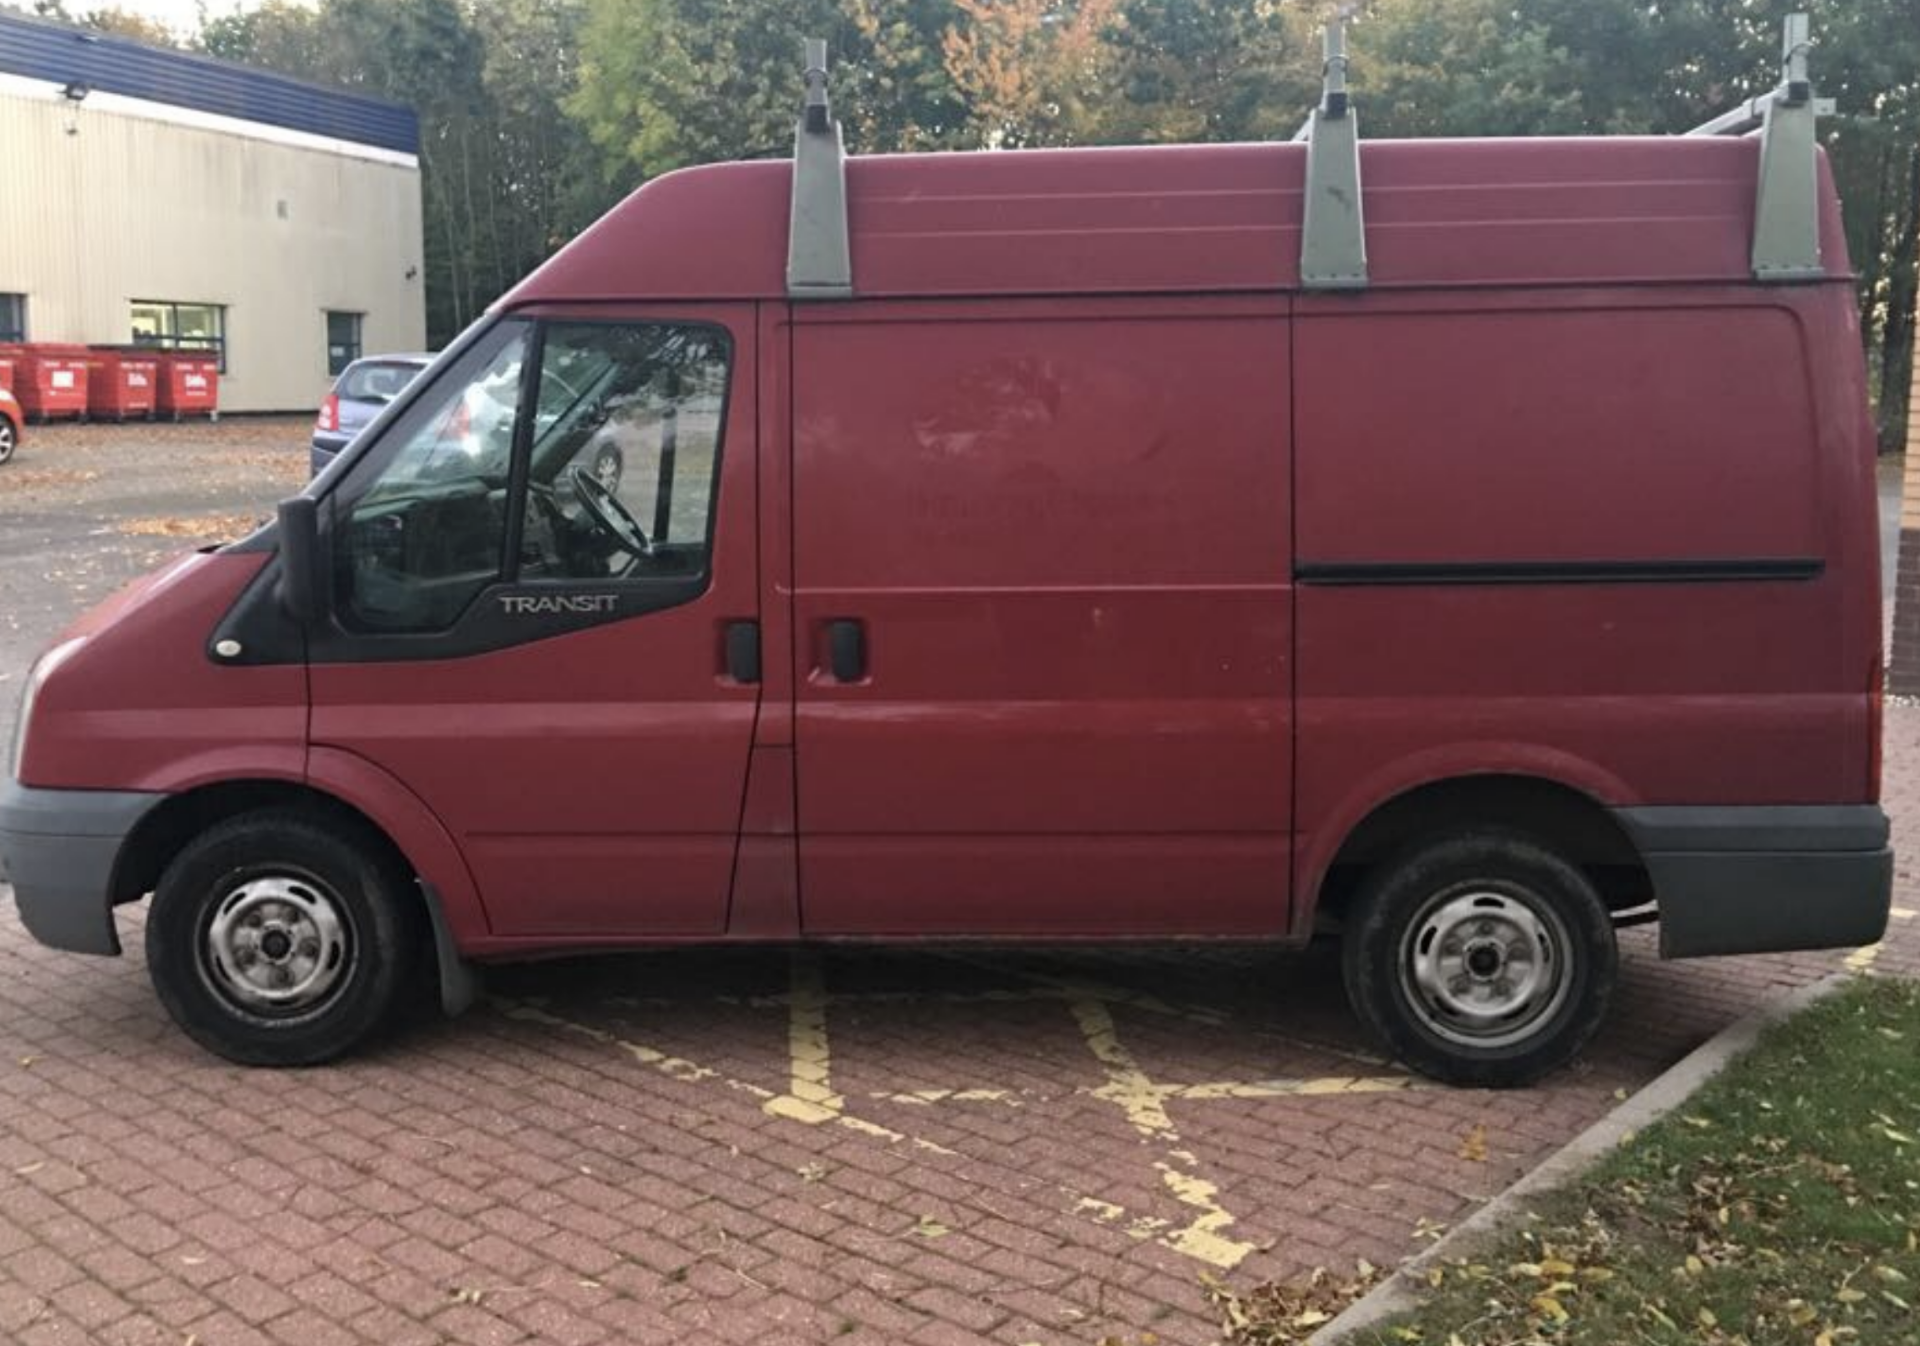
1582	426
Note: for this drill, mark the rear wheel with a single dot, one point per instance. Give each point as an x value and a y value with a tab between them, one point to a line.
278	939
9	438
1485	959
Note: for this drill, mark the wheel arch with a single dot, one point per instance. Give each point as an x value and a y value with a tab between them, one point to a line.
1570	820
166	828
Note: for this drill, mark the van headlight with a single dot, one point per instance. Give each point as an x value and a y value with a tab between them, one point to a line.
43	668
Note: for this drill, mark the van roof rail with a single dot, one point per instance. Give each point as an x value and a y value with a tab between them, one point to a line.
1786	207
1333	236
819	260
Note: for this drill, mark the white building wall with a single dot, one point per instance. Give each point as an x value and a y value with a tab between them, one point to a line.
112	200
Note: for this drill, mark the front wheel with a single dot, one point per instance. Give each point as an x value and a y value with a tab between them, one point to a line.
1486	959
278	940
9	439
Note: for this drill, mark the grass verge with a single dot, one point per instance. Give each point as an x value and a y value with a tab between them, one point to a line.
1780	1206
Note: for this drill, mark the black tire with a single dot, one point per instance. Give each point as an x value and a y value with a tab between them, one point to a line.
348	935
9	438
1484	959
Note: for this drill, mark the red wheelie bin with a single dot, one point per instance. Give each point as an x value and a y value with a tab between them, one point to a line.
122	383
49	379
189	385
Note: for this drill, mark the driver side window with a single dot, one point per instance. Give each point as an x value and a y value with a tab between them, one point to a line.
626	444
620	424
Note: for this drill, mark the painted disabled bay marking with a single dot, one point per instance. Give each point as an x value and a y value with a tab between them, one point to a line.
810	1098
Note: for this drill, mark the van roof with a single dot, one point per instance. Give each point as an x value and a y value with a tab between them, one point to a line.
1195	219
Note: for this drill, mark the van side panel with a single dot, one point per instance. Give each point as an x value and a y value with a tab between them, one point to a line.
1063	529
1602	540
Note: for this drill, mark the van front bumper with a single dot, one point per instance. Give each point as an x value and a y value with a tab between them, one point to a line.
1765	879
58	849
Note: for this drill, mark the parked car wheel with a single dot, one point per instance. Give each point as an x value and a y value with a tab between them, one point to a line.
276	939
9	438
1484	959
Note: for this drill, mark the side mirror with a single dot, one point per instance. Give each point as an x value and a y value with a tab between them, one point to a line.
302	580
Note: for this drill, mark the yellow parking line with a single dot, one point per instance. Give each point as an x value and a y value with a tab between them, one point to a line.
809	1097
1325	1084
927	1097
1863	959
1144	1103
677	1067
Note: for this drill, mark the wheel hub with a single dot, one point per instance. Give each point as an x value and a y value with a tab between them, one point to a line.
1483	968
278	944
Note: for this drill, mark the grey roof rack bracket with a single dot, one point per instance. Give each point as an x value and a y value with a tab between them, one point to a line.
1786	207
819	260
1333	238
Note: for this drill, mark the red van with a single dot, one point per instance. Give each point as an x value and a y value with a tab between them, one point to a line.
1131	544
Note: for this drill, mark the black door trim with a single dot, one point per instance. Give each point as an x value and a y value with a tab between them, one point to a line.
1712	570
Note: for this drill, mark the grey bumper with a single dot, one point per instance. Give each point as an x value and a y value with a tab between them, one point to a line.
1765	879
58	849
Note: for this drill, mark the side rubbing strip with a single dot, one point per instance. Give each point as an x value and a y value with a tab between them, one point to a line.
1712	571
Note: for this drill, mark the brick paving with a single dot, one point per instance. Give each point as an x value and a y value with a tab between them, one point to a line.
752	1146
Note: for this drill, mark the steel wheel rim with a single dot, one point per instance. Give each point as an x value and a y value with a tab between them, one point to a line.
1482	967
607	468
277	945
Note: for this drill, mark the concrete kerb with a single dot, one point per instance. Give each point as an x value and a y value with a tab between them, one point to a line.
1400	1291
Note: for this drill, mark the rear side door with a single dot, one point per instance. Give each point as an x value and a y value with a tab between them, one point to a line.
539	573
1043	617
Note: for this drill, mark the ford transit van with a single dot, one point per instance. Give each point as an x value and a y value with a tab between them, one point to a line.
1464	547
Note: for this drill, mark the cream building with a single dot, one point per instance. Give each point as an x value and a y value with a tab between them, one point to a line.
153	197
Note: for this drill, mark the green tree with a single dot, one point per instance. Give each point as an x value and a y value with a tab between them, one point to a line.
664	83
1194	70
541	162
1030	70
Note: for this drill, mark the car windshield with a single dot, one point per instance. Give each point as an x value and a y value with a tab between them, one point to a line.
376	380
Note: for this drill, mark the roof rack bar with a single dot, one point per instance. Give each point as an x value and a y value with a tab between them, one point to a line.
819	259
1333	237
1786	207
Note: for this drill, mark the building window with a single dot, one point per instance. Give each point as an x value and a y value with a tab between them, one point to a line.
343	341
181	327
13	317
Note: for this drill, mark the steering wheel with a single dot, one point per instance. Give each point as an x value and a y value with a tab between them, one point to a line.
605	509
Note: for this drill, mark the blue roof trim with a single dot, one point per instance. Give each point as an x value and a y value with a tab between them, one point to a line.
54	51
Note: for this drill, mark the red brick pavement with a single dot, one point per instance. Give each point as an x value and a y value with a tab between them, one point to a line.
859	1148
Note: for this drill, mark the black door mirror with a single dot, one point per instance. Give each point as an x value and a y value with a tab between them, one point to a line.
302	576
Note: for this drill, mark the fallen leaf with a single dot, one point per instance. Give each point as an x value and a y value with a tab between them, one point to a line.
1474	1146
1550	1307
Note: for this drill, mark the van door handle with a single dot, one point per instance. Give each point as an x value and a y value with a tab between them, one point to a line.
847	649
743	651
